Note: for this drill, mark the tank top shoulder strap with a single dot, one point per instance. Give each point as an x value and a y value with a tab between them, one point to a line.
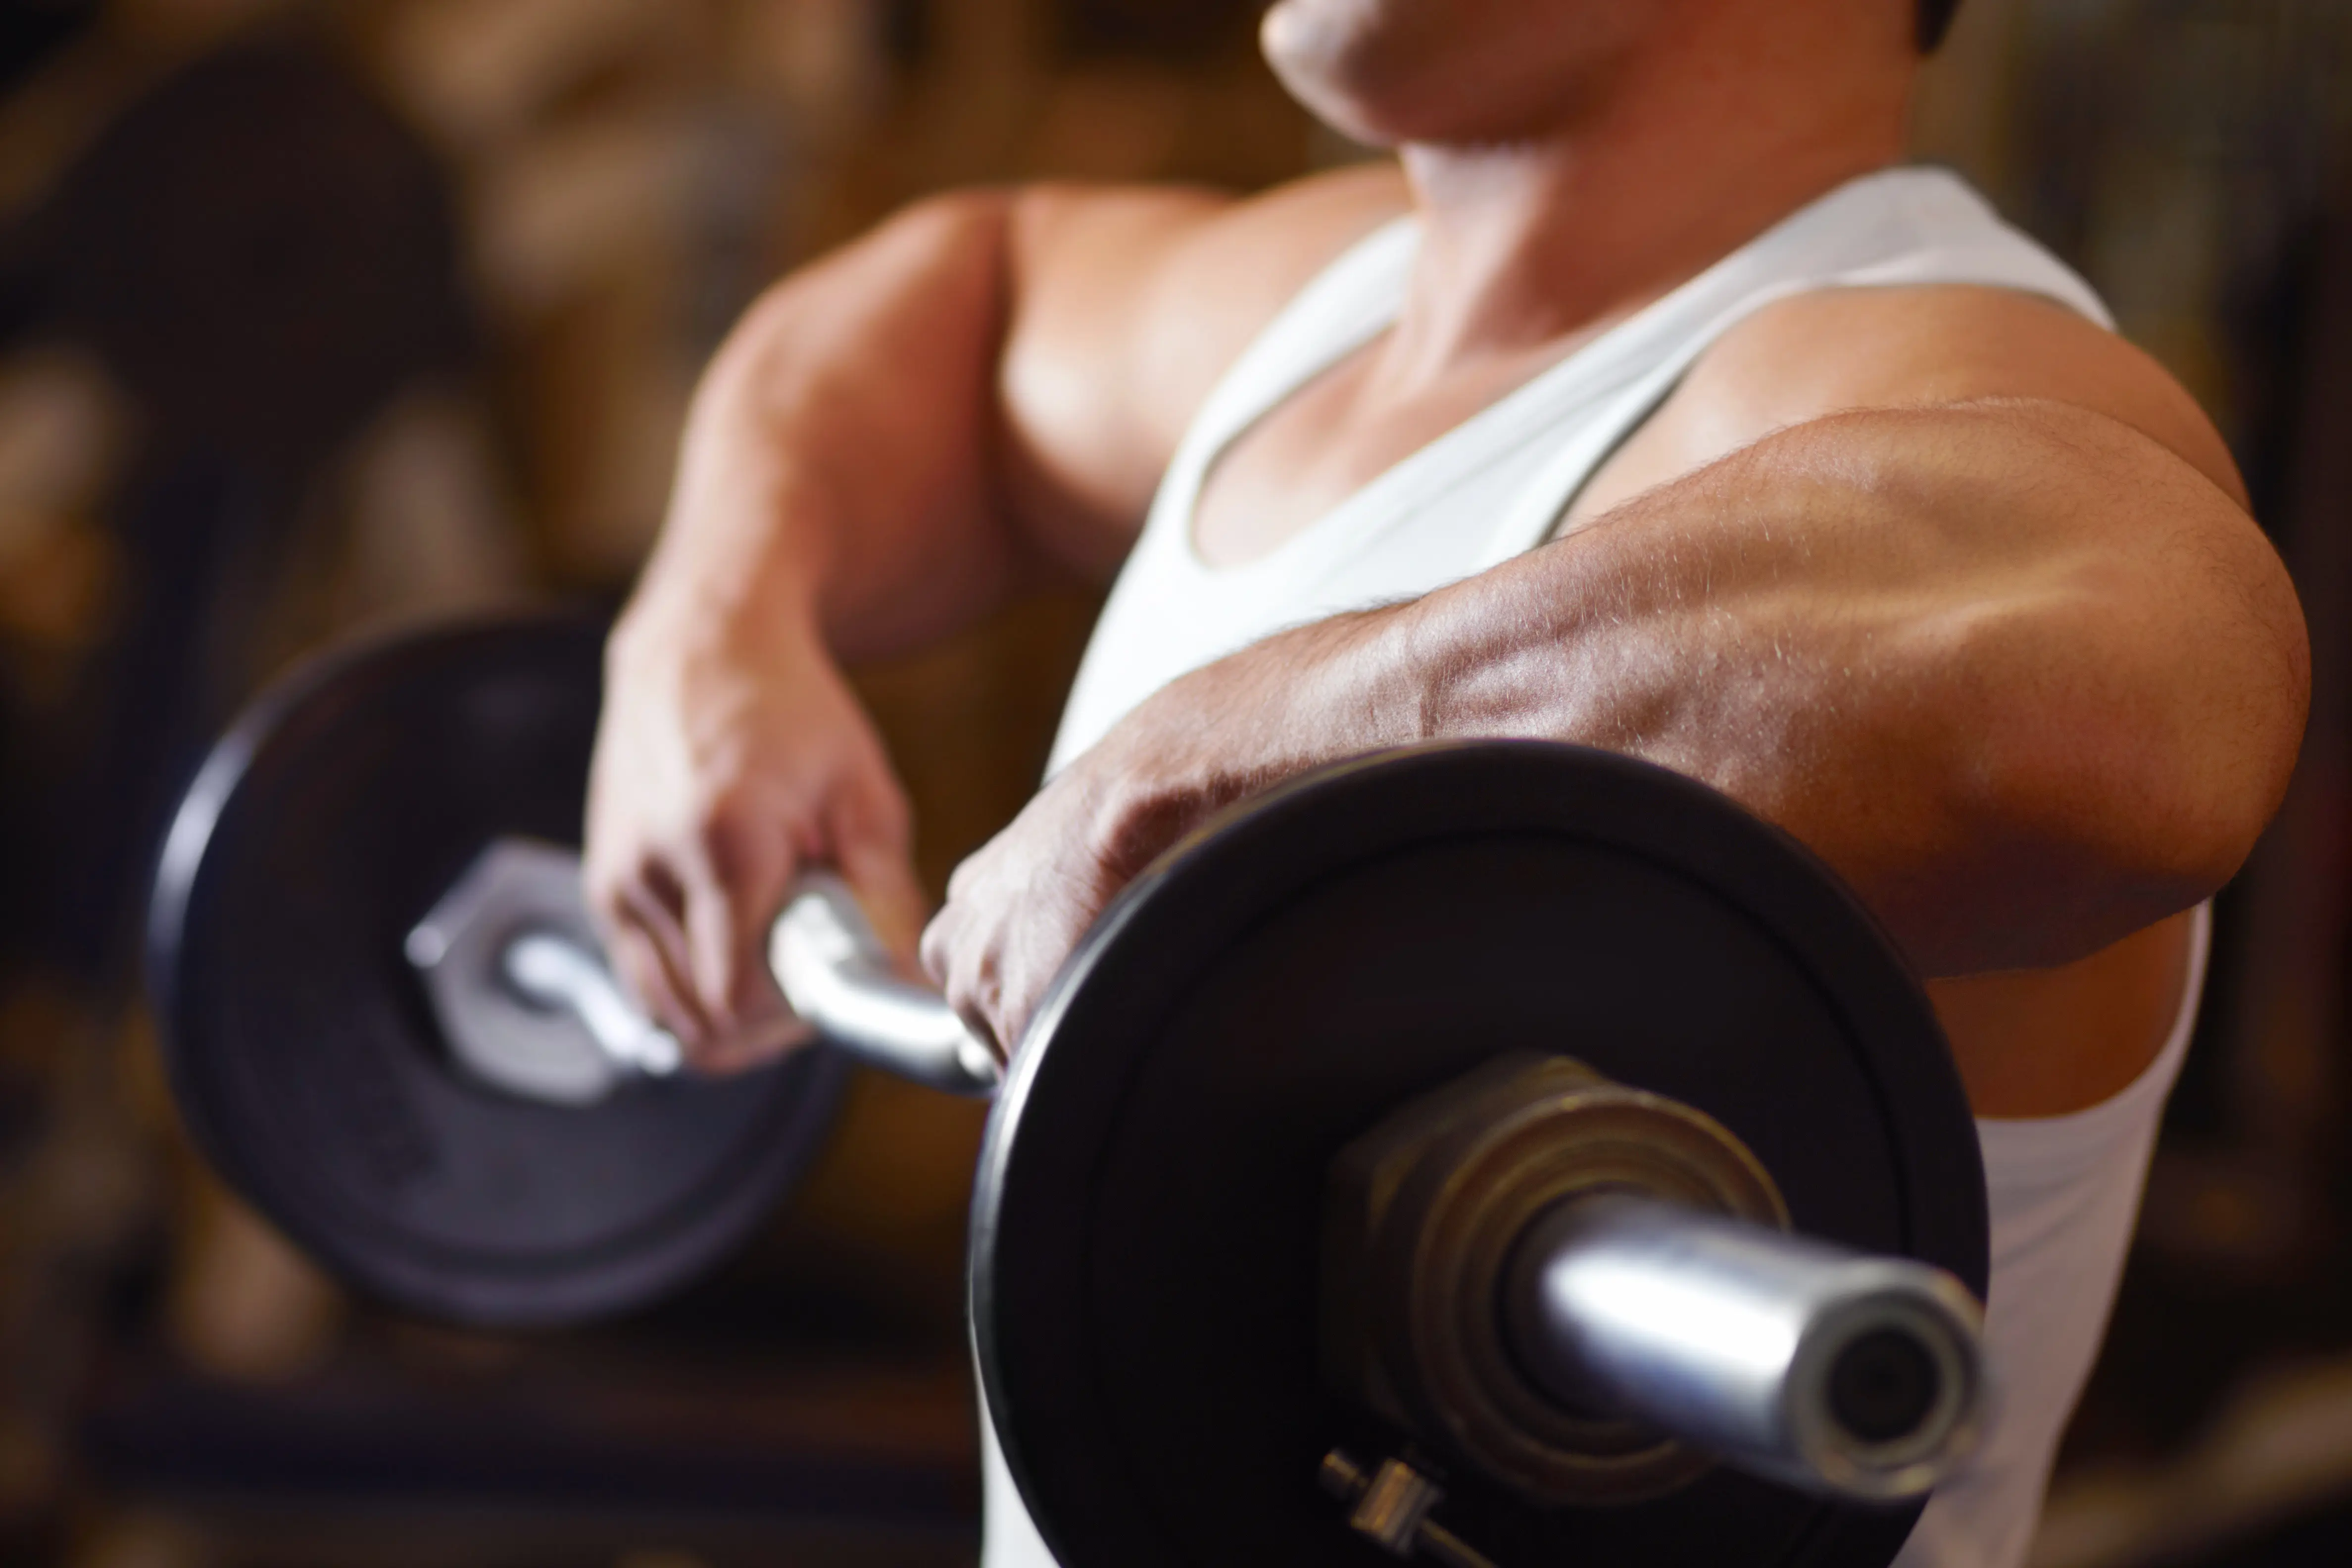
1905	226
1353	299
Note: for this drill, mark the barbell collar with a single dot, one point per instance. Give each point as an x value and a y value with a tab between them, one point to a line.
1835	1371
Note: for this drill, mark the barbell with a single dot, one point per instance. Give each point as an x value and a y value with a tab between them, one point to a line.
1495	1151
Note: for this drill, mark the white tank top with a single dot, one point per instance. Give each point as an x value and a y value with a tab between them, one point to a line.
2063	1191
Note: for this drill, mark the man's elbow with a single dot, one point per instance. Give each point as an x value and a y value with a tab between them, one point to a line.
2174	777
2234	768
2248	677
2121	773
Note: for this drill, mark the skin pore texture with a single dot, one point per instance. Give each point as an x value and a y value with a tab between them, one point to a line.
1953	586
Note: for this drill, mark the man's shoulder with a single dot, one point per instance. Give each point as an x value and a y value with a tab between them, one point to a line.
1188	246
1290	232
1198	276
1129	303
1920	346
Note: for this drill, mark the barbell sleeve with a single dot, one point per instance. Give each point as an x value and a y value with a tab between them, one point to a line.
1789	1357
551	968
1792	1358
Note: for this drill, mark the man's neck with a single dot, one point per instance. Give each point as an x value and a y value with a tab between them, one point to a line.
1540	242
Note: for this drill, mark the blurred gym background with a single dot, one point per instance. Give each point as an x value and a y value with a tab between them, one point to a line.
321	315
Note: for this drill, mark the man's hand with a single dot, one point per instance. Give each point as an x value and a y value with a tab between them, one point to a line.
891	443
730	757
1019	905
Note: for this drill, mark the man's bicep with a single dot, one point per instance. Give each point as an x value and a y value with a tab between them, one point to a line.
1840	350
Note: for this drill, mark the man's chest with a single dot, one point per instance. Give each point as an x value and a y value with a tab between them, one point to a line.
1326	441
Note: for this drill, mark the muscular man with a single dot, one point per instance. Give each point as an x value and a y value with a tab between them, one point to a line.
1638	402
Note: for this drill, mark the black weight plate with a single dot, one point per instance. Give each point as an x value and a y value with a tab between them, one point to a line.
1145	1232
299	1043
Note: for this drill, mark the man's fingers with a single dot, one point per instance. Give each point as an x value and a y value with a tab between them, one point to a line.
754	1046
865	835
638	964
724	934
965	973
647	912
892	897
936	948
731	900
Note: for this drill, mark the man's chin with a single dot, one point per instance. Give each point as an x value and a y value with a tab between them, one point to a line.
1327	54
1388	72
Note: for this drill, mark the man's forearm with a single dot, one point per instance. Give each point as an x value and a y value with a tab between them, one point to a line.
1973	657
836	462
